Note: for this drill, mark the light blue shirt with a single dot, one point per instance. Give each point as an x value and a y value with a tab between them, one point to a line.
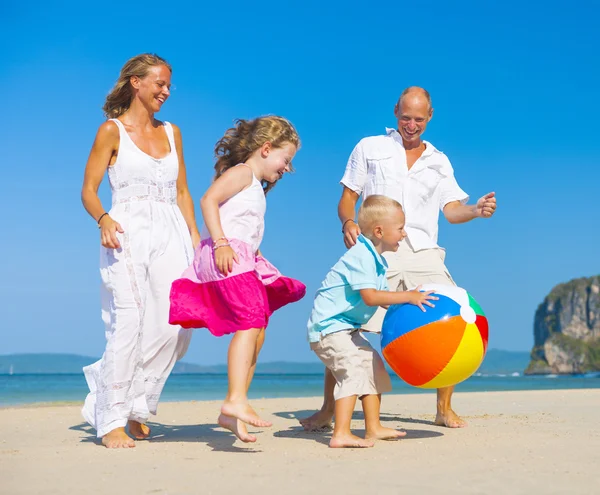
338	305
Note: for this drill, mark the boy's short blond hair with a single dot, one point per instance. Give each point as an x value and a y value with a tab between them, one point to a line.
374	209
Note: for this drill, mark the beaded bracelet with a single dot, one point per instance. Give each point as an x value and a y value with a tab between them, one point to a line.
220	239
100	218
220	246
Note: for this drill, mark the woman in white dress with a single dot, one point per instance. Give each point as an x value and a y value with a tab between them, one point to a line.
147	241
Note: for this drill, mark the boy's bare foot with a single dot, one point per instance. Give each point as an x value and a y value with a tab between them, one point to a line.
319	421
117	439
236	427
350	441
139	431
449	419
382	433
244	413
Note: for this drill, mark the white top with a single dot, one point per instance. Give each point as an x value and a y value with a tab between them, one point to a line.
378	165
243	215
137	176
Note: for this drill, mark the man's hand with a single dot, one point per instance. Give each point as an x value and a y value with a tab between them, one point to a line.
486	206
351	233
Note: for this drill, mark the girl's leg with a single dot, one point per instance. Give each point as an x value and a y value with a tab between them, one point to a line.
236	400
242	353
342	436
259	343
374	429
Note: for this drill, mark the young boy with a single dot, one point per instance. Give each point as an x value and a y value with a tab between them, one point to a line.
349	296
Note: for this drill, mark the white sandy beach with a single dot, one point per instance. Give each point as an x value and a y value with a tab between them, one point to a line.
516	442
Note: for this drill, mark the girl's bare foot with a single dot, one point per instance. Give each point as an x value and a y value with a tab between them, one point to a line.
139	431
236	427
244	413
449	419
382	433
319	421
348	440
117	439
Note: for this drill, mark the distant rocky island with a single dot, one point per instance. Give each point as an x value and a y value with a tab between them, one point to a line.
567	329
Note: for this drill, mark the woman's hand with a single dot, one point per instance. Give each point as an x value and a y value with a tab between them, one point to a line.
108	232
195	239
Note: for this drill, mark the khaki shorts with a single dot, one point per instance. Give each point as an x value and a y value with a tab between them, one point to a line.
356	366
408	269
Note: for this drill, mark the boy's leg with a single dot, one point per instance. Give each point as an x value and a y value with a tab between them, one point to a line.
321	420
374	430
342	436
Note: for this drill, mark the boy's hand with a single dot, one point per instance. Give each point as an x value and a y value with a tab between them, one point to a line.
419	298
224	259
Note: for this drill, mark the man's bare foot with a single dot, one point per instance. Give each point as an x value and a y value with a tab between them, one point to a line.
139	431
350	441
319	421
244	413
449	419
382	433
236	427
117	439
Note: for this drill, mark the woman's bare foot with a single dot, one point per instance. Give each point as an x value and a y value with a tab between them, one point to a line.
382	433
244	413
449	419
319	421
139	431
117	439
236	427
349	440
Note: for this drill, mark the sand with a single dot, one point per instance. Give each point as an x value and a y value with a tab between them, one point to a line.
516	442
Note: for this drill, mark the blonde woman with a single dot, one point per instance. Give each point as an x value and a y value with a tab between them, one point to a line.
147	240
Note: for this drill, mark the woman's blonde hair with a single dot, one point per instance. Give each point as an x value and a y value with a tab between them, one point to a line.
119	99
239	142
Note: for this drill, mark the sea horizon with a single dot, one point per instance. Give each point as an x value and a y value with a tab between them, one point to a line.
29	389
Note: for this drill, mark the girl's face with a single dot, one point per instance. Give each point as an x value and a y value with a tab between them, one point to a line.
277	161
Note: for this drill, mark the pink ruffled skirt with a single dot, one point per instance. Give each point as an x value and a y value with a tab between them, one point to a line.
205	298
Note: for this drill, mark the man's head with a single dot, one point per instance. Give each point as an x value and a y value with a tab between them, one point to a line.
381	220
413	111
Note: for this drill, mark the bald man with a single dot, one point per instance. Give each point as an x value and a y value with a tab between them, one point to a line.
402	166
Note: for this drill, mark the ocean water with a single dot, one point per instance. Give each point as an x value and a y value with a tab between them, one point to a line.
29	389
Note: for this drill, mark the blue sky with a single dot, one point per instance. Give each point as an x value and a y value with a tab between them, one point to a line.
515	92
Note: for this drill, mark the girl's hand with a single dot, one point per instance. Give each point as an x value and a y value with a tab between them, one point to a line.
224	258
418	298
108	232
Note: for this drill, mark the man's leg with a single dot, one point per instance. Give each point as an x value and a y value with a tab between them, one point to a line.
321	420
428	267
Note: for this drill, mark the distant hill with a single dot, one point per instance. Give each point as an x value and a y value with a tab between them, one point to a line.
495	362
566	329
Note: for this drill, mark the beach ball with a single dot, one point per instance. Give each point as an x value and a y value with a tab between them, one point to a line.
439	347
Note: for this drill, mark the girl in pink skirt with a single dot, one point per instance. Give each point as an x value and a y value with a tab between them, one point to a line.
230	287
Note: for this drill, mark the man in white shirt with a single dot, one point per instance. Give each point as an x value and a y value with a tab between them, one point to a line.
402	166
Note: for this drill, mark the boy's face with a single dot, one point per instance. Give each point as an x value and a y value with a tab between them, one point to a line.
390	231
